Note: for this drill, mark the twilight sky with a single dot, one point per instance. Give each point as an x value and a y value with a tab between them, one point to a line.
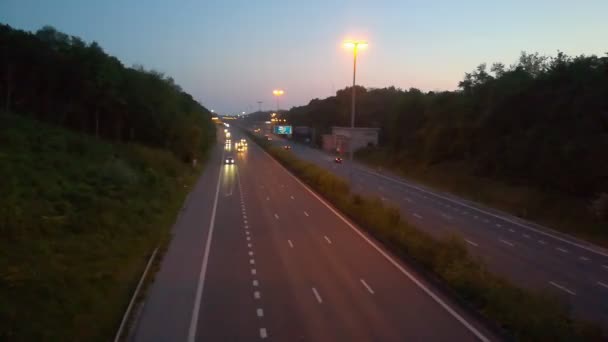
231	54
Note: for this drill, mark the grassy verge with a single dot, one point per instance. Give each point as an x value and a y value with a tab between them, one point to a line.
78	220
567	214
524	315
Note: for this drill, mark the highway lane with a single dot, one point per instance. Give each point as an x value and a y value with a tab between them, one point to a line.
281	265
528	254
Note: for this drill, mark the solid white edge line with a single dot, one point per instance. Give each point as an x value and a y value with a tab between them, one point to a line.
319	299
418	283
201	277
132	301
539	231
369	289
563	288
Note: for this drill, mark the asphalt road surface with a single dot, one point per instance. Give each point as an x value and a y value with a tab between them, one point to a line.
258	256
530	255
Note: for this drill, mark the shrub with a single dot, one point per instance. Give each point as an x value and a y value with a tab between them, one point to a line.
599	207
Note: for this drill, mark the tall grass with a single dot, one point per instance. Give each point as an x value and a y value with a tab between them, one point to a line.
78	219
523	314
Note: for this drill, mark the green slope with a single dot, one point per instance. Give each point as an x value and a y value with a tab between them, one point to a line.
78	218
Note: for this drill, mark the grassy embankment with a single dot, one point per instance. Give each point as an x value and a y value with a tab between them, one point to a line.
78	219
556	210
524	315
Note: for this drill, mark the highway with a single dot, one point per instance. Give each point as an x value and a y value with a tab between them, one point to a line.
530	255
256	255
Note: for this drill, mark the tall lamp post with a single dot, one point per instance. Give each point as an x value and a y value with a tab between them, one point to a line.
278	93
355	45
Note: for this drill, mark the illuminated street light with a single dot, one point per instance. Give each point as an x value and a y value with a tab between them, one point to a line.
355	45
278	93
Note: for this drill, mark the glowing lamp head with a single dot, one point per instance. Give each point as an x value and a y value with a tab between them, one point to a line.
278	92
355	44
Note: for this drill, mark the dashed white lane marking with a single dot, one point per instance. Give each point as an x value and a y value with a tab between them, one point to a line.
306	214
471	243
252	262
526	236
276	216
407	199
369	289
327	239
507	242
256	283
542	242
512	231
486	220
246	232
293	198
417	216
267	198
260	312
263	333
245	222
562	250
250	253
465	212
476	217
290	243
498	225
256	294
253	271
383	198
447	216
246	227
583	258
319	299
249	245
605	267
602	284
563	288
248	238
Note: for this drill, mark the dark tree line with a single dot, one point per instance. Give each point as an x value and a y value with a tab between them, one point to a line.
58	78
541	121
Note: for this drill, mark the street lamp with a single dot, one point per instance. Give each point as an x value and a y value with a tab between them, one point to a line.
277	93
355	45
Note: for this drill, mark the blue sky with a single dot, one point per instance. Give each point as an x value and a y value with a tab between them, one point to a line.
231	54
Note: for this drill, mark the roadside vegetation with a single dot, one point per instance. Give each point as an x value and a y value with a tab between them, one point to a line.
95	162
530	138
522	314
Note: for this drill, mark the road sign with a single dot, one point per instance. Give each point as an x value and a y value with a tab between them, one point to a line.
282	130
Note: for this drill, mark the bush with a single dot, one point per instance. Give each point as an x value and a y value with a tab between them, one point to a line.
599	207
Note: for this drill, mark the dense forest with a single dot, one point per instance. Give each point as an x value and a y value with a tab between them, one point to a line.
542	121
60	79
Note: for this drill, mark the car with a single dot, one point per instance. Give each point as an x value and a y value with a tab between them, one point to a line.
240	148
229	160
287	147
338	160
